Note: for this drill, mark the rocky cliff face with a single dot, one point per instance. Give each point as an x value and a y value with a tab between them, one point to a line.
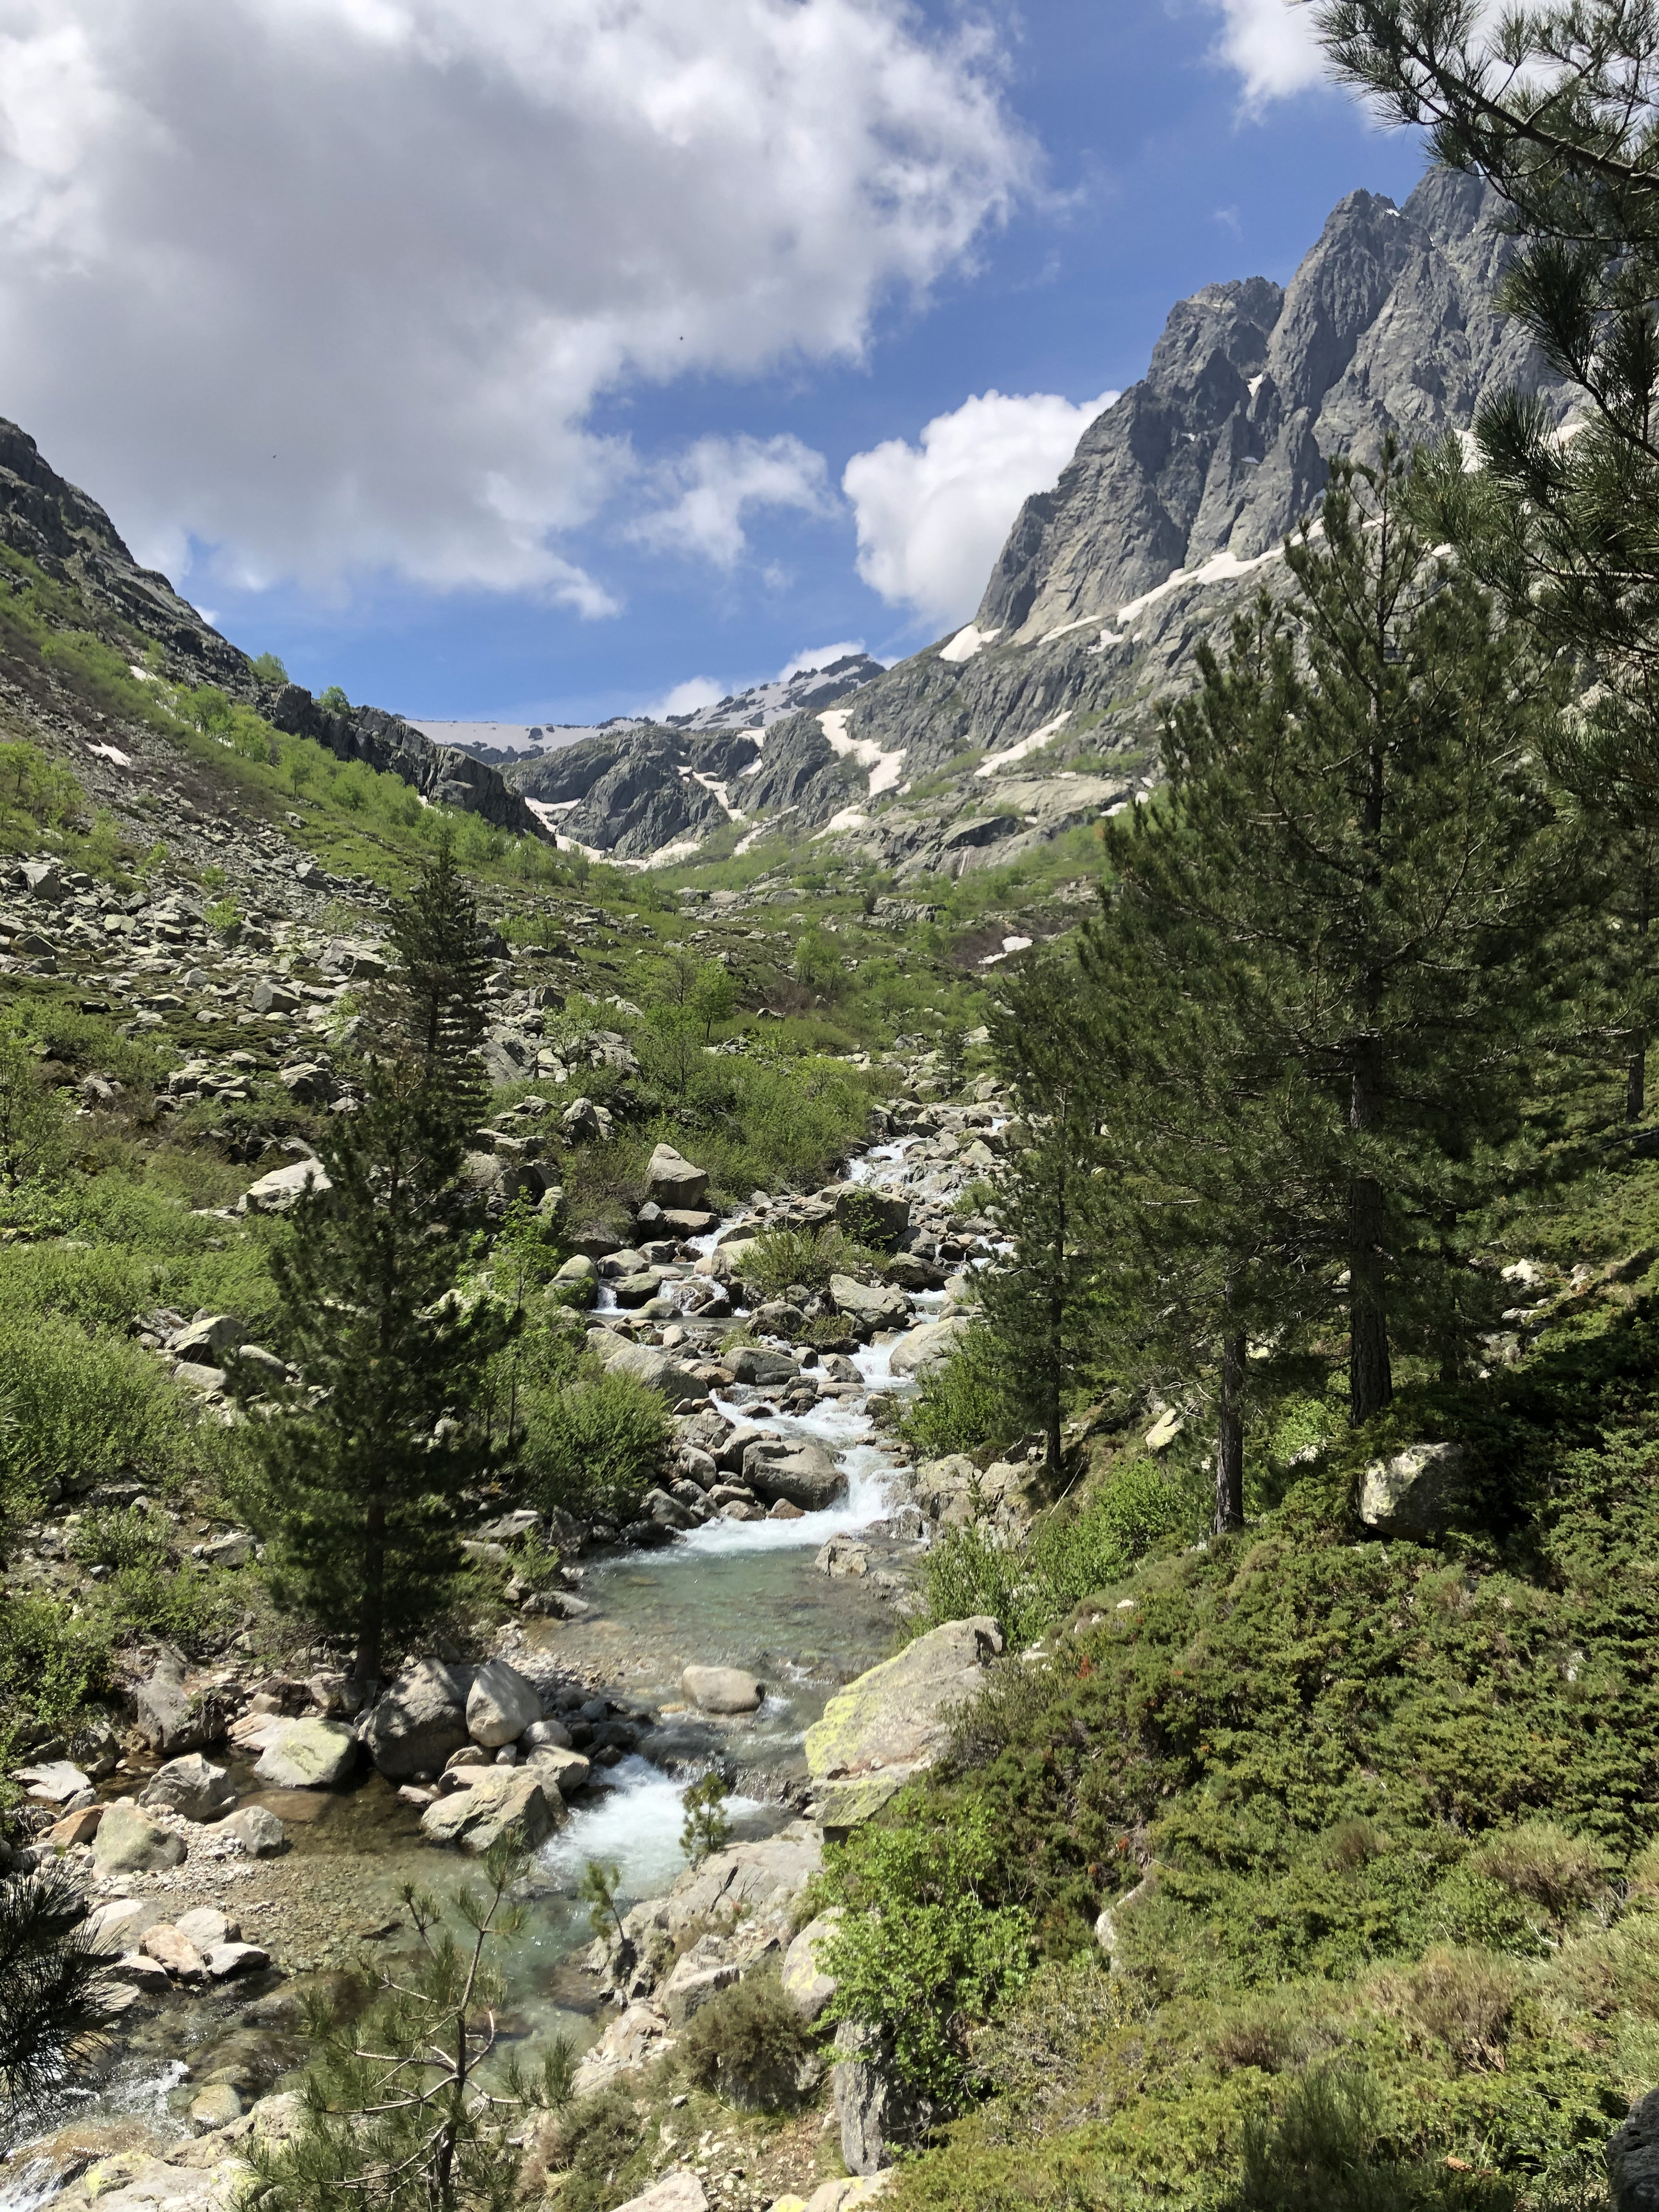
69	536
1178	498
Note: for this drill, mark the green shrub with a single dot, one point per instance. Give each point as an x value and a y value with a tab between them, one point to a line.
962	1403
594	1446
120	1537
1328	2151
750	2043
920	1954
779	1259
84	1406
52	1660
1541	1862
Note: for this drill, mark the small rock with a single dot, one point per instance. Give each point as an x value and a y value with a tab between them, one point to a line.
169	1948
722	1689
258	1832
216	2107
282	1190
225	1959
206	1926
76	1827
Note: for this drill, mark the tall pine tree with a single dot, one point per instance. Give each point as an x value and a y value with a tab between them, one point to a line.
1365	847
364	1470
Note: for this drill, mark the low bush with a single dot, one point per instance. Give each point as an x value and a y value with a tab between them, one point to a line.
751	2043
118	1537
52	1660
75	1402
963	1403
1541	1862
780	1258
1328	2150
594	1446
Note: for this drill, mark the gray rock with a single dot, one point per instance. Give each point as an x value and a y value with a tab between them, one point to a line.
1417	1493
271	997
672	1180
129	1842
191	1788
1633	2159
658	1370
869	1306
308	1754
802	1977
680	2191
419	1721
565	1770
761	1367
259	1831
167	1718
282	1190
58	1782
500	1705
876	2113
496	1800
879	1216
929	1345
722	1689
897	1717
207	1339
215	2107
802	1473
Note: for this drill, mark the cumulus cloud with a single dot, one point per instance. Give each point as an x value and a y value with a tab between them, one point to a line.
932	518
1271	44
819	656
686	698
312	287
718	480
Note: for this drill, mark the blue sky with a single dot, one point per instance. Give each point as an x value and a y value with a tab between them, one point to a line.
373	338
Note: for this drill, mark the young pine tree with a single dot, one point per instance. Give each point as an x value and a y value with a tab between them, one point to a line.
1040	1298
1367	842
362	1474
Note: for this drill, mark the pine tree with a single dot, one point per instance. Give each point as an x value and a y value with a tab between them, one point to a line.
405	2104
362	1474
1040	1297
54	2016
1366	852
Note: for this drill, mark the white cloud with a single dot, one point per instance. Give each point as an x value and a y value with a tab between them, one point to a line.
932	519
686	698
819	656
718	480
331	286
1271	44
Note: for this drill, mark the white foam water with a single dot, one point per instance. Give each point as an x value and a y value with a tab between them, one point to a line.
635	1826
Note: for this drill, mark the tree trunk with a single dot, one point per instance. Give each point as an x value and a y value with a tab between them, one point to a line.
371	1612
1636	1068
1370	1379
1229	1440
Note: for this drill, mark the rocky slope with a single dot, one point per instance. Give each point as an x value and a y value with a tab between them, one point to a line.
69	537
1038	712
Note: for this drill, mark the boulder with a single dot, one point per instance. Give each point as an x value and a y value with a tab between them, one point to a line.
879	1217
927	1347
215	2107
843	1555
876	2112
802	1473
501	1705
691	1986
722	1689
761	1366
308	1754
225	1959
171	1947
258	1832
418	1722
897	1716
1416	1493
803	1978
77	1827
282	1190
58	1782
672	1180
129	1842
1633	2159
563	1770
271	997
167	1718
191	1788
657	1370
206	1927
869	1306
497	1800
543	1735
208	1339
681	2192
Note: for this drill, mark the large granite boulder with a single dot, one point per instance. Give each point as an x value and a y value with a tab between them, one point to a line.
419	1721
129	1842
191	1788
501	1705
308	1754
168	1719
869	1306
1633	2159
282	1189
722	1689
897	1717
672	1180
801	1472
929	1345
1417	1493
494	1802
647	1363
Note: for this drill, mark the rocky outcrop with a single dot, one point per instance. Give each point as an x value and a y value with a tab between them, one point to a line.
391	746
895	1719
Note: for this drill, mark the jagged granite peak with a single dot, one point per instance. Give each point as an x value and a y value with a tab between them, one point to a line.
633	789
1387	326
71	539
